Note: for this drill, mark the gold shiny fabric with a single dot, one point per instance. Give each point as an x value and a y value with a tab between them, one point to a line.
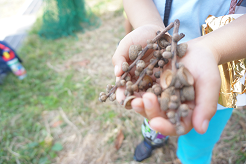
233	81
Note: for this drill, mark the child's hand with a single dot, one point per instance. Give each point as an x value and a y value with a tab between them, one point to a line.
203	66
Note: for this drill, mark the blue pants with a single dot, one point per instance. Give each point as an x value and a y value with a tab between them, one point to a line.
195	148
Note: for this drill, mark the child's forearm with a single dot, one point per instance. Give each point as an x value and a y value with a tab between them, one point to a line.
142	12
227	43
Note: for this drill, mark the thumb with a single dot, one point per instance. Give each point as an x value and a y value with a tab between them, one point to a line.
207	94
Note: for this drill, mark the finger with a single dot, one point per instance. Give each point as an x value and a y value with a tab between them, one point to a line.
207	94
121	54
151	105
166	128
120	96
138	106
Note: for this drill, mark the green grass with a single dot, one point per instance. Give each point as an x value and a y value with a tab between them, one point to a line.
22	131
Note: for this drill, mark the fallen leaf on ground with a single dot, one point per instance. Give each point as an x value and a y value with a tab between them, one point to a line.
119	139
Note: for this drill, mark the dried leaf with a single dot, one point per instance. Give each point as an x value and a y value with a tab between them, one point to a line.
119	139
82	63
57	123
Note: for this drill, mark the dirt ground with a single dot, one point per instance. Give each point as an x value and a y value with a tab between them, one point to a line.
89	137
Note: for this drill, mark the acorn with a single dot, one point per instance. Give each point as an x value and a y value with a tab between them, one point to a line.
181	49
169	48
151	67
180	130
167	79
167	54
137	73
127	102
128	77
176	37
118	84
141	63
174	98
184	110
171	114
173	105
155	46
149	72
125	66
157	74
146	82
157	54
102	93
161	63
164	101
151	60
187	93
133	51
170	91
122	82
157	89
150	46
112	97
178	84
103	98
150	90
109	87
172	120
135	87
185	77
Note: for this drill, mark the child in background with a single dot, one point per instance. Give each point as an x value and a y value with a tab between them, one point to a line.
205	123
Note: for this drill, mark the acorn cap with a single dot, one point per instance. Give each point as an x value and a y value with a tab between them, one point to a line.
164	41
185	76
127	102
167	79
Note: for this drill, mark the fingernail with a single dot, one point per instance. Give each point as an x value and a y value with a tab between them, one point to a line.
205	125
147	103
116	69
138	109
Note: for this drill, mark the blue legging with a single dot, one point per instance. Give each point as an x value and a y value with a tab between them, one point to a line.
195	148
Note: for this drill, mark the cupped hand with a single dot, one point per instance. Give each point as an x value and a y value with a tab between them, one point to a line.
202	64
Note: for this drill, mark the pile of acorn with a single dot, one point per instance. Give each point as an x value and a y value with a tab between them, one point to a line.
176	84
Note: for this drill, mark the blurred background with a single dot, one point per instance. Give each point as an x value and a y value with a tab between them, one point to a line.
53	114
